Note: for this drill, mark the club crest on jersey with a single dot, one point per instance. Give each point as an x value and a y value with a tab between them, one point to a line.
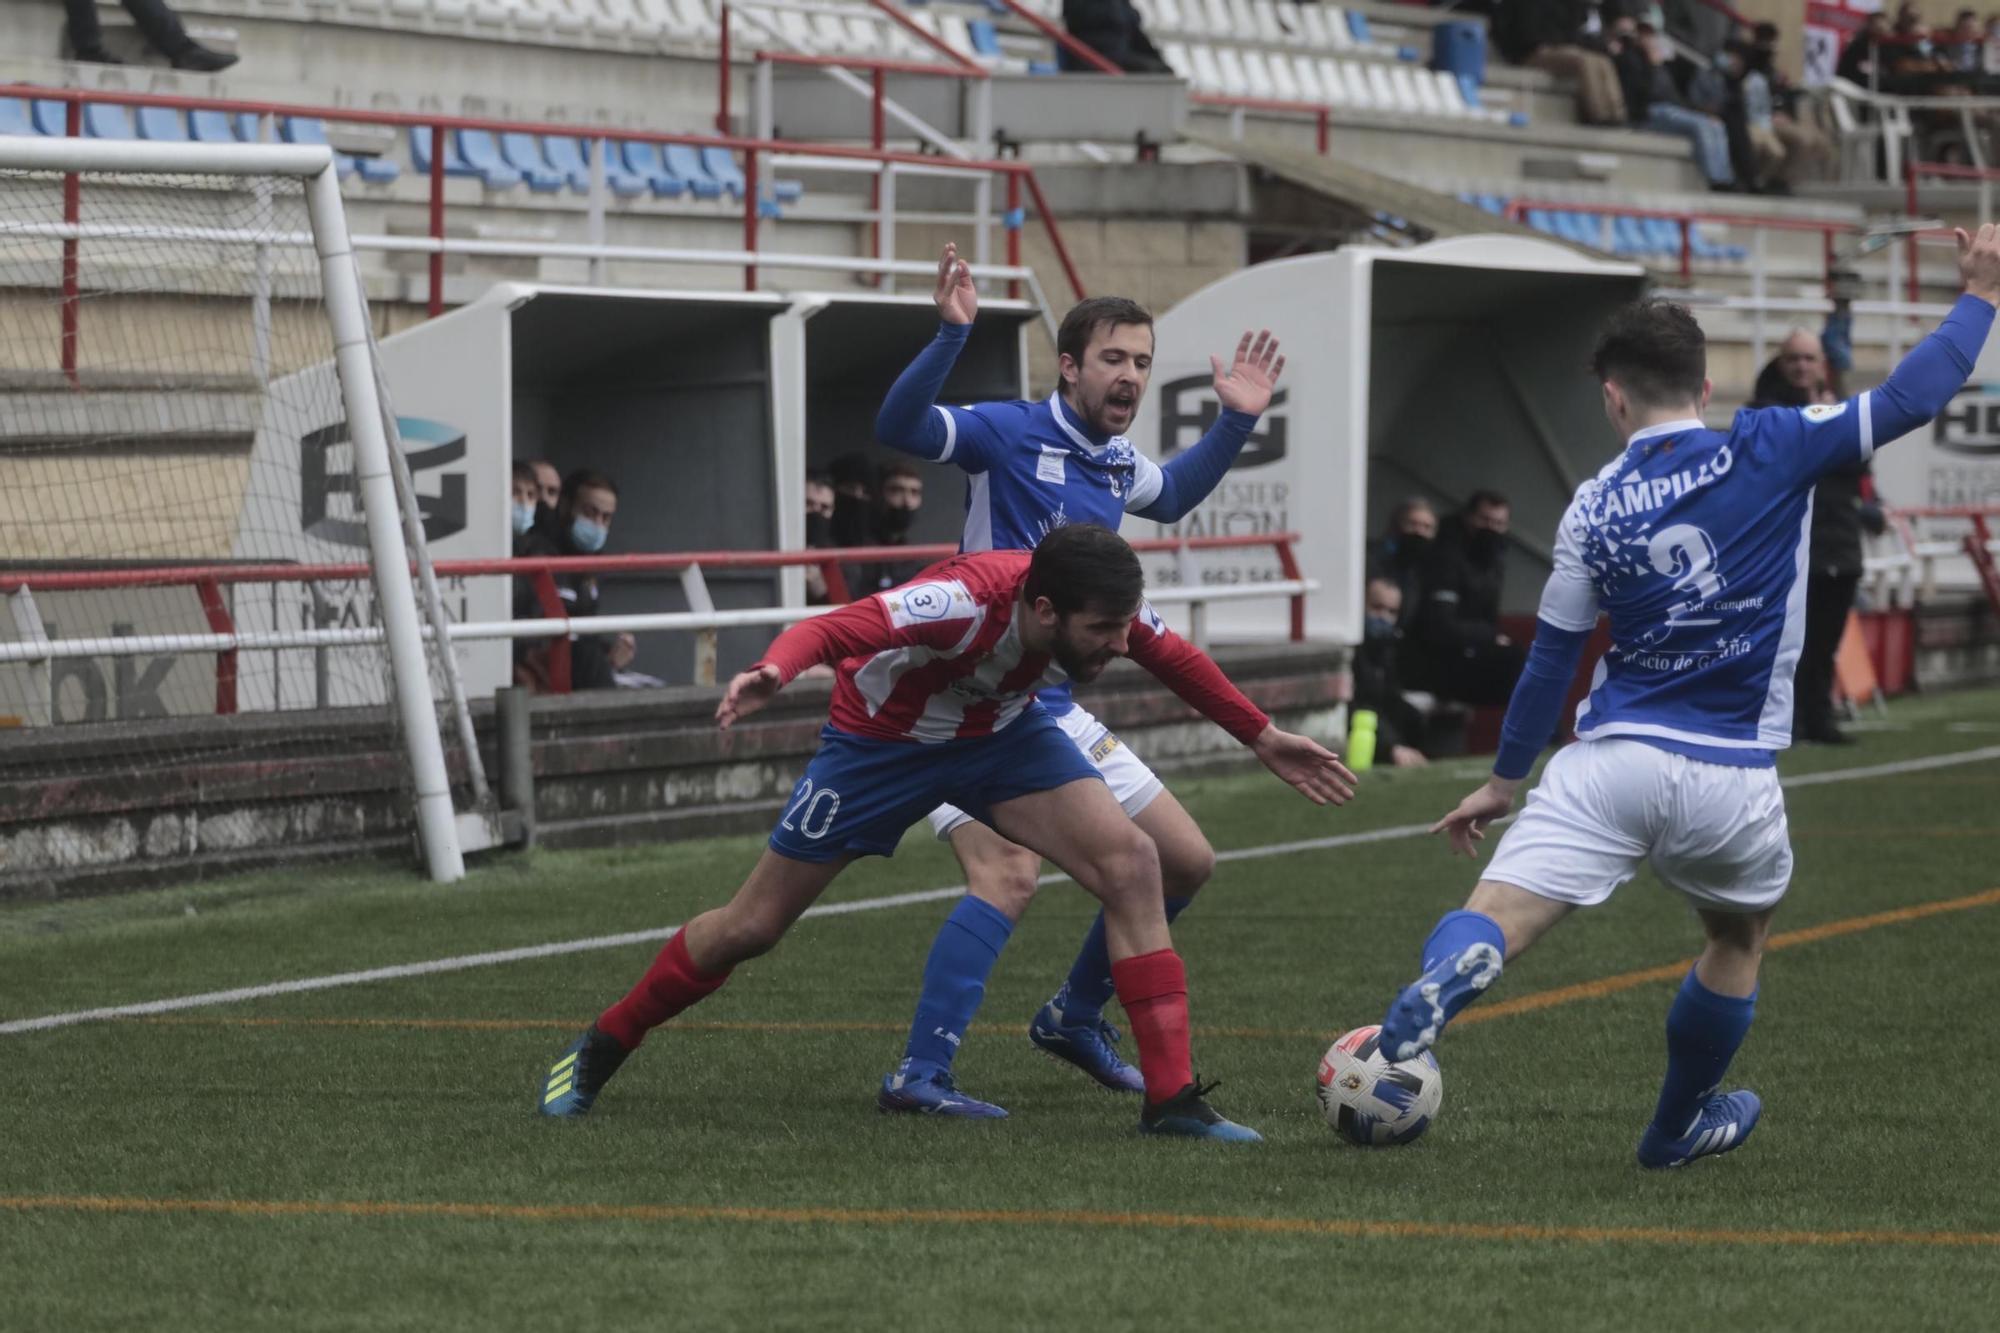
1819	412
922	601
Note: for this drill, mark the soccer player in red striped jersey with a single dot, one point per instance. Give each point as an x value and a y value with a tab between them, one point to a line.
934	701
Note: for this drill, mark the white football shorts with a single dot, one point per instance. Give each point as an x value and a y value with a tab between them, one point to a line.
1712	832
1134	784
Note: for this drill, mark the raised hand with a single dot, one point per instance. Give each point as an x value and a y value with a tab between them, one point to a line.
1979	261
957	299
747	694
1467	824
1306	765
1247	385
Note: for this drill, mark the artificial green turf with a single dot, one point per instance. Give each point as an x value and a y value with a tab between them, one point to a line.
1868	1050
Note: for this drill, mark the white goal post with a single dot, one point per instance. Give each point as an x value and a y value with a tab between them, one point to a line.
345	309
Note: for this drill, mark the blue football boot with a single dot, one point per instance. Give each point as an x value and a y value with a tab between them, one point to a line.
1724	1124
1416	1018
580	1073
1091	1046
1187	1115
930	1091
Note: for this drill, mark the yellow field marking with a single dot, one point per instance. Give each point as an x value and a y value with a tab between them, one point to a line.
1523	1004
1346	1228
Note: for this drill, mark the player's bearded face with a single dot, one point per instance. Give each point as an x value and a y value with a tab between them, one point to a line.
1106	387
1086	641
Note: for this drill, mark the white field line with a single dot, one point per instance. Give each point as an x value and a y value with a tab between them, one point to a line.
496	957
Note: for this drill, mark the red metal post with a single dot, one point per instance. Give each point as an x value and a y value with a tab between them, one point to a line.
219	621
551	603
1288	564
72	286
877	136
750	217
1013	233
722	77
436	307
836	583
1910	243
929	38
1828	262
1687	249
1055	233
1320	115
1084	54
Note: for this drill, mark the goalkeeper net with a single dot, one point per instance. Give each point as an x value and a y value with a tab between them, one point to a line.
174	428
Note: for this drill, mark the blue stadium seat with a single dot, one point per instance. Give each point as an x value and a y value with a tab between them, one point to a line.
306	130
51	117
644	161
685	162
1541	220
1629	237
14	117
523	152
420	154
985	38
161	125
566	155
482	154
1357	26
721	164
103	121
1665	234
212	127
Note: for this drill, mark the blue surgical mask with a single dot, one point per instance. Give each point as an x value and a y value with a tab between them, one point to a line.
586	536
1377	627
524	517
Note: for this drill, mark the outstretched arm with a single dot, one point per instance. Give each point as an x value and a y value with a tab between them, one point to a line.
1194	676
1244	390
859	627
911	418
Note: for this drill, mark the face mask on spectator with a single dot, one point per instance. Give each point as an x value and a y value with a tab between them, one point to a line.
524	518
1486	545
819	530
893	522
1411	549
1377	627
586	536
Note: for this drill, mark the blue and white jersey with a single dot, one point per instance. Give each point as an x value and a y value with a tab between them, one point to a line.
1694	542
1032	468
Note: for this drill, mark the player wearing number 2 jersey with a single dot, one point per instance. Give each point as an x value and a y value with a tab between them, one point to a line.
1694	543
934	700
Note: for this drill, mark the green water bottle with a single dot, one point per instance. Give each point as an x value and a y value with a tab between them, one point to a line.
1361	741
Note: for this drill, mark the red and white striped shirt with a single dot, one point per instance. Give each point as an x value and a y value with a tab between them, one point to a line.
940	658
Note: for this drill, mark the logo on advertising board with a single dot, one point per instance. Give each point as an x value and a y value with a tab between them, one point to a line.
1188	408
1971	425
427	446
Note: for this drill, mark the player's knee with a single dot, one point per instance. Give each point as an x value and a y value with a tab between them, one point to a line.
1738	933
747	932
1188	868
1127	863
1007	883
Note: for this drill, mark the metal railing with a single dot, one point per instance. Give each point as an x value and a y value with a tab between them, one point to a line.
35	647
1910	574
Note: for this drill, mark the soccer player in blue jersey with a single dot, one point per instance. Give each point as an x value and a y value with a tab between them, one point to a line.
1032	467
1694	543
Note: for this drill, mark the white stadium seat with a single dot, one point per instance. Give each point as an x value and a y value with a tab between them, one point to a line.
1312	21
1207	73
1177	60
1258	75
1235	81
1338	35
1305	72
1284	86
1269	30
1385	92
1404	83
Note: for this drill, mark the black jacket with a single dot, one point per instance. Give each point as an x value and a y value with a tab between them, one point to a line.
1378	688
589	654
1460	607
1523	26
1840	514
1112	29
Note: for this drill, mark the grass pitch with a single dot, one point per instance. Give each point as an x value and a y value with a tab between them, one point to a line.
367	1157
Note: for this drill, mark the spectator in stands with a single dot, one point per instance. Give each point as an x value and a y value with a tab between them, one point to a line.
1657	104
549	481
1456	650
899	494
1965	51
1399	556
1989	60
1860	61
1113	29
853	500
1808	150
584	513
1555	36
819	531
163	30
525	495
1399	727
1843	508
1758	152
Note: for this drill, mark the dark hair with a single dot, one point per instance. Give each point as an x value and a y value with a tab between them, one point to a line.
1485	499
897	469
1085	318
1655	352
850	470
579	479
816	477
526	472
1083	567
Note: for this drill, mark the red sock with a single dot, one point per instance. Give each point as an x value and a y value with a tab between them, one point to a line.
670	985
1153	989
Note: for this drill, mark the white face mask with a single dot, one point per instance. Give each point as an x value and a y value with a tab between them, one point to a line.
524	517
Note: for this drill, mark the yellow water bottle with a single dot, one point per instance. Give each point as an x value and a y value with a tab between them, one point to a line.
1361	740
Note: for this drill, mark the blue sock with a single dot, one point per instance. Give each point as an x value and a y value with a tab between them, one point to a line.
1457	930
962	956
1703	1031
1089	983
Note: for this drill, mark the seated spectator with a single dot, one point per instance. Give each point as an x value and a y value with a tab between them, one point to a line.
899	494
853	499
819	531
548	482
1399	728
584	513
1400	554
1965	49
1808	150
1989	58
1757	151
1454	648
1860	60
1563	38
1657	104
162	27
524	494
1111	28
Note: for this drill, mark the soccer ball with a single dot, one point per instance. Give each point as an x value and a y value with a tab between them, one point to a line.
1372	1102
